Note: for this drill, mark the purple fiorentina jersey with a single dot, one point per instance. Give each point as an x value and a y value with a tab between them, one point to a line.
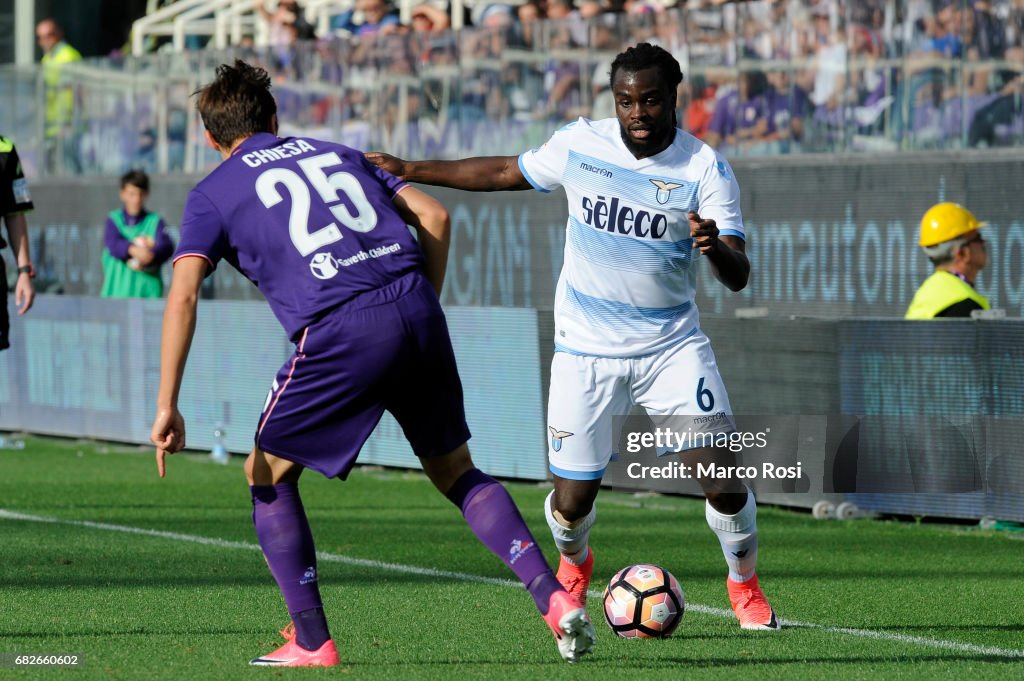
311	223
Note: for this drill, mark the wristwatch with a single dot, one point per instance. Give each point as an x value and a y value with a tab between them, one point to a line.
29	270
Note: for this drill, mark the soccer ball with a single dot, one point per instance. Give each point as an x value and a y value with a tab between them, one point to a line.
643	601
323	265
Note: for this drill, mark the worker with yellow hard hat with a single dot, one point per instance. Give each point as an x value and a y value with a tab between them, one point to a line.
951	240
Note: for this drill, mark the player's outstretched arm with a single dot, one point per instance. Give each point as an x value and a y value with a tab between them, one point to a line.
725	254
168	432
478	174
433	227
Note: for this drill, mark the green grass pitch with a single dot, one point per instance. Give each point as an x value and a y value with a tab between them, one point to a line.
119	572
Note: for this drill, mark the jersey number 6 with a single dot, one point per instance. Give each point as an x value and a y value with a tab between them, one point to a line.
705	400
328	187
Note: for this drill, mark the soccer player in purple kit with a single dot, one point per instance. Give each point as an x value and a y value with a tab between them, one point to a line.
323	234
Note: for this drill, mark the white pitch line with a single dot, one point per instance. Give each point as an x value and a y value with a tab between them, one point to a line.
956	646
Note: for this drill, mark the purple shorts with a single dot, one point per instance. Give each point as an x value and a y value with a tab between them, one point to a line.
385	349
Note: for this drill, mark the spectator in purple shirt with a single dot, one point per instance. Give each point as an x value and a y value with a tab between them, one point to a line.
136	244
722	128
753	123
741	116
788	107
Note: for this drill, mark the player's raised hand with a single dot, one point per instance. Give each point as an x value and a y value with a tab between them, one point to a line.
168	434
391	164
704	233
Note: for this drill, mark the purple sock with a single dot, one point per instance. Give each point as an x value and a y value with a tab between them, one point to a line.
287	543
495	520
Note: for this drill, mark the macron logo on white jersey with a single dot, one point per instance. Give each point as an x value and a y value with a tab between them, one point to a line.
603	172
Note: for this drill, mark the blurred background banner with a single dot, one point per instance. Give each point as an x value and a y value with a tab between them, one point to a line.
89	367
826	239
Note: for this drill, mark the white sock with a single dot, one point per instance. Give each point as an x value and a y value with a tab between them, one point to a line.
738	537
571	541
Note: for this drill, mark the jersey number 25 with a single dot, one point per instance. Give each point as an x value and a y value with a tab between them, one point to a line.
329	187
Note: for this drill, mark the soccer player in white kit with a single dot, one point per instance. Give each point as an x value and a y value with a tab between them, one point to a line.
644	199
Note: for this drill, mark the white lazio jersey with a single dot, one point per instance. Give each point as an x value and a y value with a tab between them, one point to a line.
627	284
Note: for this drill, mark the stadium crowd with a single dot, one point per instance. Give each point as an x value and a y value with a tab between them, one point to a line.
766	76
762	77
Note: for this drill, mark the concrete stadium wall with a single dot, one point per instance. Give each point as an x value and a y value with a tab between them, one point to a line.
829	236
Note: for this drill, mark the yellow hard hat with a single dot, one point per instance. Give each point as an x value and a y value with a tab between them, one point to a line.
945	221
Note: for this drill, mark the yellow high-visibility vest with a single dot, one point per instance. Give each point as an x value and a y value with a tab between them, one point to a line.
938	292
60	101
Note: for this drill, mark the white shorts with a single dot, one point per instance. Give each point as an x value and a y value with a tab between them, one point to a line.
587	392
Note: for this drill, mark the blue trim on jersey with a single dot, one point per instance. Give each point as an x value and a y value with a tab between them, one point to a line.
569	351
576	353
529	179
731	231
619	316
577	475
604	177
621	252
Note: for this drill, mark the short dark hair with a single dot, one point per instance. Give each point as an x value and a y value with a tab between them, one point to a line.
237	103
646	56
136	178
